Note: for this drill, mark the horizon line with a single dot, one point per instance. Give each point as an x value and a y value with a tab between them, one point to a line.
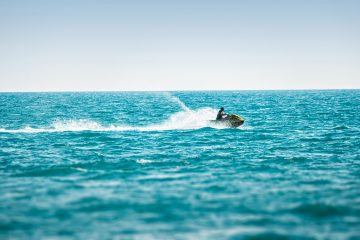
181	90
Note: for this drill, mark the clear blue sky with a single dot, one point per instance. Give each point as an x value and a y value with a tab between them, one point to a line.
70	45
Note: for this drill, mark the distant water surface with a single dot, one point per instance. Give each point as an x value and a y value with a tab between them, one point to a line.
149	165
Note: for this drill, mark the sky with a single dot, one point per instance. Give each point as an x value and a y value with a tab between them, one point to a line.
86	45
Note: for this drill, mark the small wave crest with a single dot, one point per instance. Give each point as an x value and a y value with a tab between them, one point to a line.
144	161
184	120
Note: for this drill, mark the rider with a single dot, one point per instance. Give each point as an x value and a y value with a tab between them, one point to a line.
221	114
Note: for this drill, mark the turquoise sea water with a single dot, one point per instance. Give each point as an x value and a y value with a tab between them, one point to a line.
149	165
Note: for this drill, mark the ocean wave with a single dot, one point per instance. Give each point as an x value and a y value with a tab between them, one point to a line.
320	210
184	120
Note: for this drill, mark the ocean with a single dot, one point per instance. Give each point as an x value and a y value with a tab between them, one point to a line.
150	165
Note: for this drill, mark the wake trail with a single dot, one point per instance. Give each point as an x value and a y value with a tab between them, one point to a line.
186	119
183	120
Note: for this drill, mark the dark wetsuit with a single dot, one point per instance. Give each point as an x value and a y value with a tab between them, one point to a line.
220	115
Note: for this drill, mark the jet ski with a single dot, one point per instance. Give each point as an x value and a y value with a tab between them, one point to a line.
231	120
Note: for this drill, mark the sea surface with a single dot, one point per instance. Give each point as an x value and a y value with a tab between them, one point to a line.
150	165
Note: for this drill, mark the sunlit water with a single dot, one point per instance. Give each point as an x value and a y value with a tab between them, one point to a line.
151	165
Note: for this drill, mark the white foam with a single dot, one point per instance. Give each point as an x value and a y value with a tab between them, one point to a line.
77	125
26	129
185	120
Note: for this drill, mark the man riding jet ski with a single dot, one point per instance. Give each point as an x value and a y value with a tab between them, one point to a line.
231	120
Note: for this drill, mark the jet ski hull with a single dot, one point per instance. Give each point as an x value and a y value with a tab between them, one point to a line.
231	120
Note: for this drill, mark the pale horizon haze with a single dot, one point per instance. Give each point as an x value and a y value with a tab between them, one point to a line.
179	45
